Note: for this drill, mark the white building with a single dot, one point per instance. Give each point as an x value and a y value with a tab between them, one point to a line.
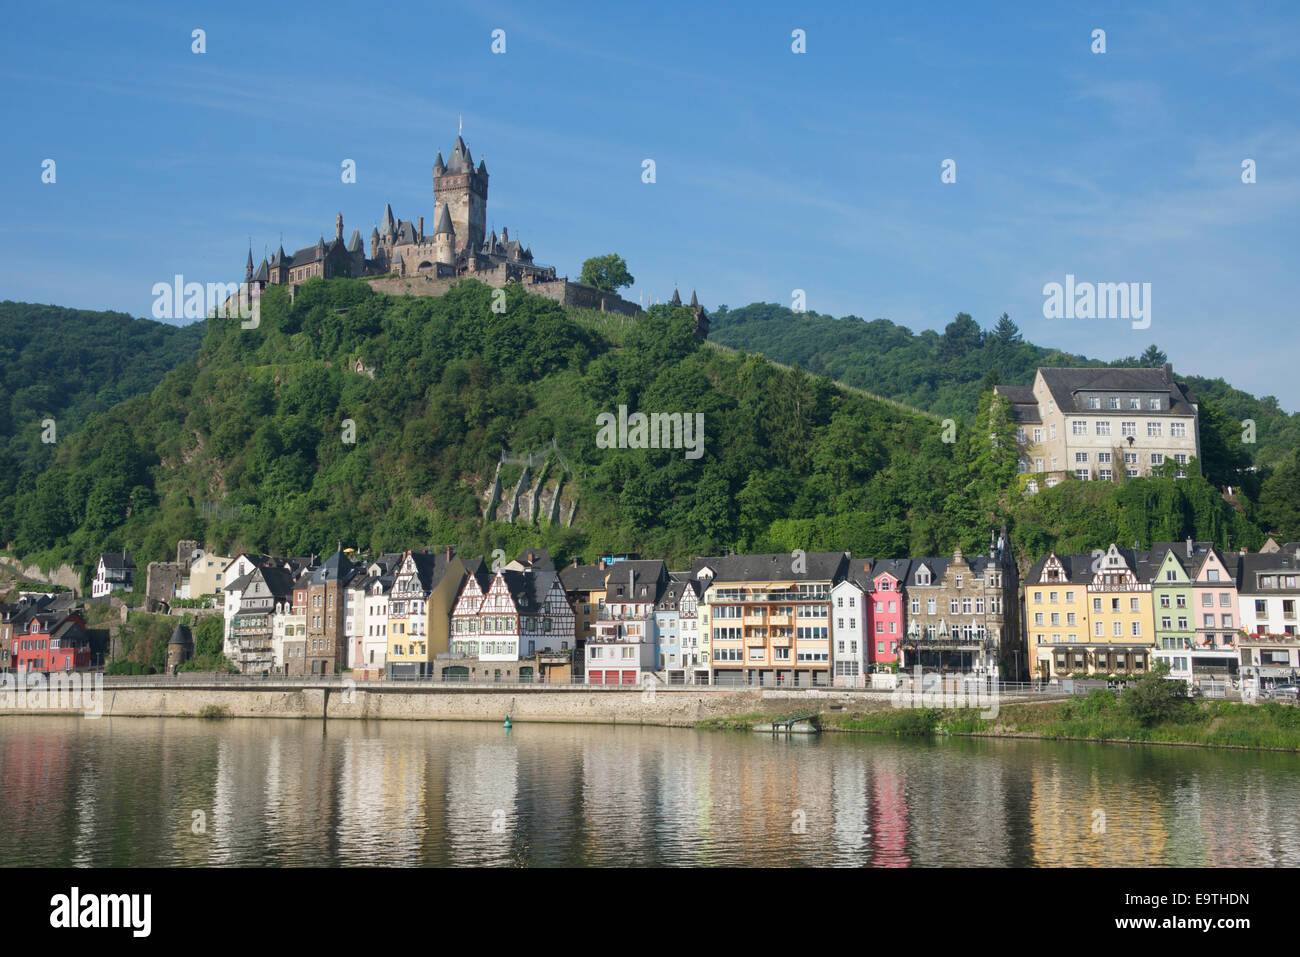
626	644
115	572
849	632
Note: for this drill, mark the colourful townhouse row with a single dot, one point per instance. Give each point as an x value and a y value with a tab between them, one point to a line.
796	619
1205	612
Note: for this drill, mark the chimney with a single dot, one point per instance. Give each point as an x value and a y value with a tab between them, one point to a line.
1189	546
1169	374
448	553
602	564
421	229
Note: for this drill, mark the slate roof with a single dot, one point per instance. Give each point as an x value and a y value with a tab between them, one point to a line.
479	570
180	636
625	580
536	558
1252	566
263	272
1065	384
818	566
117	561
444	222
583	577
937	566
336	567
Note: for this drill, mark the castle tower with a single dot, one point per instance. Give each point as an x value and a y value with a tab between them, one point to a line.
444	238
462	190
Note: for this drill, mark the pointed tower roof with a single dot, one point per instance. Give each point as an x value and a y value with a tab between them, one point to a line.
250	258
387	224
354	241
263	273
482	167
438	163
374	232
444	223
695	303
677	299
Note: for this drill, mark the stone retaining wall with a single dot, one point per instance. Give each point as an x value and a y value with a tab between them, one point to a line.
672	708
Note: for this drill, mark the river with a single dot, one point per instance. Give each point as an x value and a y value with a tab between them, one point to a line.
190	792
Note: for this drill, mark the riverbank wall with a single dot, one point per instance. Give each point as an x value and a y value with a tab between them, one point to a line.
681	707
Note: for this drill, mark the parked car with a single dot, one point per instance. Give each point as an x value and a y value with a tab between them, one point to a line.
1291	692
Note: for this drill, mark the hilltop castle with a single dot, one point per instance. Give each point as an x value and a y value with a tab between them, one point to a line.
411	262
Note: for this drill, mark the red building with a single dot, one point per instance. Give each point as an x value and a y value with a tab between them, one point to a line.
52	642
885	610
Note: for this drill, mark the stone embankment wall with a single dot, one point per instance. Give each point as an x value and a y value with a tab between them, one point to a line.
671	708
64	575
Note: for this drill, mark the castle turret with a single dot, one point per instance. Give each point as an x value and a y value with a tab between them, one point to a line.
677	299
248	270
444	238
387	225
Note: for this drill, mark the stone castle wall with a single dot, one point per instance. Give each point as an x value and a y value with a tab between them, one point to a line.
560	290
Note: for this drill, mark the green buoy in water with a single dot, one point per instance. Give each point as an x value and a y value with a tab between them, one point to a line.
507	722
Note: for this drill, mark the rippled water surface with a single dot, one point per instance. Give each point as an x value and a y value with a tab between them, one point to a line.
133	791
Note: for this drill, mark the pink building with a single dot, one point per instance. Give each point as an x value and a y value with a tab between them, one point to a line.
885	618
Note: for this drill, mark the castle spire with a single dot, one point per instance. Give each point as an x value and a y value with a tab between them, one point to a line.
677	299
444	223
248	270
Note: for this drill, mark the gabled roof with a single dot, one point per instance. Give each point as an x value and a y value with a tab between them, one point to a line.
477	569
675	591
117	560
625	581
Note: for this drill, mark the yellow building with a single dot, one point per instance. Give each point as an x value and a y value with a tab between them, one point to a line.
1102	621
425	587
1122	613
1056	610
208	573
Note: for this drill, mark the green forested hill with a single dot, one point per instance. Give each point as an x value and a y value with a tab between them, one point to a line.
945	373
244	447
66	364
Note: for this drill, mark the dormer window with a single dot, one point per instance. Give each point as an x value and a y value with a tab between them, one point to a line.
1154	405
1094	402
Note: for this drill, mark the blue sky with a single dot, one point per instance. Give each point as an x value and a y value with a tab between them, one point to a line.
775	171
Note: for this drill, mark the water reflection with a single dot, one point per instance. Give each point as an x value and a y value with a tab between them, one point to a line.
118	792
